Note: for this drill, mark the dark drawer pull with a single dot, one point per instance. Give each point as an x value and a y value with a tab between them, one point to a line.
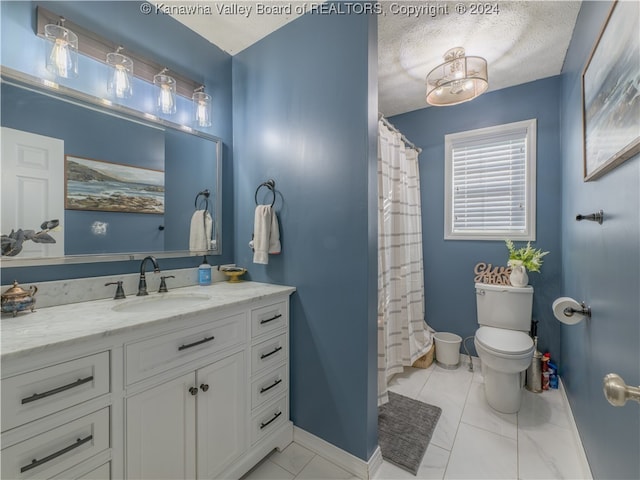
36	463
266	389
266	424
195	344
270	319
38	396
265	355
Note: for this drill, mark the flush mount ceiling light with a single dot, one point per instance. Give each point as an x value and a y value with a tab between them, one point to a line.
167	92
121	75
459	79
201	107
62	53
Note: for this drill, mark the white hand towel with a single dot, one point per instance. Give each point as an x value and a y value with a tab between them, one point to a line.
274	237
200	232
261	234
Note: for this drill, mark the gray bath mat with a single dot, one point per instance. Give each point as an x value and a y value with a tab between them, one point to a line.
405	427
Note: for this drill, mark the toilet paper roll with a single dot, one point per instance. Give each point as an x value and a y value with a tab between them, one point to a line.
563	303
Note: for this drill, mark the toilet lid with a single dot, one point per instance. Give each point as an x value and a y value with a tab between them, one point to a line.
504	341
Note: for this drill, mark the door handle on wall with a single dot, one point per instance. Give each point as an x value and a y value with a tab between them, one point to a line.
617	392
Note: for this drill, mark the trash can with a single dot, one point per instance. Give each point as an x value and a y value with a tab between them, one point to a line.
447	350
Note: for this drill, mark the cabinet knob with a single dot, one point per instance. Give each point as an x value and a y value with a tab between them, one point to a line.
204	387
193	391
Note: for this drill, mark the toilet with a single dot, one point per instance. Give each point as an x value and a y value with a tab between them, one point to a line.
502	342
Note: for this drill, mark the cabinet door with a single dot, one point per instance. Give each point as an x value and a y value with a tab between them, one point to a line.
221	415
161	431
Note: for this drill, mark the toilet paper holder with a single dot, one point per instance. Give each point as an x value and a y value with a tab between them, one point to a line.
585	310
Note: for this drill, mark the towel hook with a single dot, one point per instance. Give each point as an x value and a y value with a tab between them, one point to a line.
271	185
594	217
205	193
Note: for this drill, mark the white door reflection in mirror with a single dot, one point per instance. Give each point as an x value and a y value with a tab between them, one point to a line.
32	188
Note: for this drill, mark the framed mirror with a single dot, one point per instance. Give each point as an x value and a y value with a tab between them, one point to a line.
121	184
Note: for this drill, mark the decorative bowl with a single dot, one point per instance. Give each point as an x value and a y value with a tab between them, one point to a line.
234	273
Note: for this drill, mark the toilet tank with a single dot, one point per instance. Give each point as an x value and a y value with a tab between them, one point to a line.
504	306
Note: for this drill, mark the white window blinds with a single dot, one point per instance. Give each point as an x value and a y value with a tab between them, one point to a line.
490	190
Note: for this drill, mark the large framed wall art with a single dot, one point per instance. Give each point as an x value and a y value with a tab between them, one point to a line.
611	93
112	187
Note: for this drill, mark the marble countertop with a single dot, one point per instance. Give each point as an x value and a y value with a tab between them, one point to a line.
53	327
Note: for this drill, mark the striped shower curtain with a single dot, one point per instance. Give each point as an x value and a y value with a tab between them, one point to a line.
403	336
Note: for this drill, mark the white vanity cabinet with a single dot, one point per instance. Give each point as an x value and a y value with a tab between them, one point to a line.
194	417
199	399
200	394
55	418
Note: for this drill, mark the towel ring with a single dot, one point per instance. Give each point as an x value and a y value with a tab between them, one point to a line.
205	194
271	185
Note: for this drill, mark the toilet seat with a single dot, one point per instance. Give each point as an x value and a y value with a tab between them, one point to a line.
504	342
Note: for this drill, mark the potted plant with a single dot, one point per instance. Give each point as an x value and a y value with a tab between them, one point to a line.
521	260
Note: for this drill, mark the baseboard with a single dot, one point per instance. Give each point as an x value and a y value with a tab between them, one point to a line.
344	460
586	469
374	463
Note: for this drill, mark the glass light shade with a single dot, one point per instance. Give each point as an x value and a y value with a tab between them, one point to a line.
459	79
120	82
201	109
167	93
62	51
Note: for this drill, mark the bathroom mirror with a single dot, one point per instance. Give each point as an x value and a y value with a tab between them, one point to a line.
127	185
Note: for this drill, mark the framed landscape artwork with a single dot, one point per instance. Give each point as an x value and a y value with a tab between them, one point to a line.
111	187
611	93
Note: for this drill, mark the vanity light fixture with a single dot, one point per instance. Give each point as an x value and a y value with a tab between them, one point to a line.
166	84
71	38
201	107
459	79
62	51
120	82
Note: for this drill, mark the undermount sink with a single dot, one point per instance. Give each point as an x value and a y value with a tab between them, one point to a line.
158	303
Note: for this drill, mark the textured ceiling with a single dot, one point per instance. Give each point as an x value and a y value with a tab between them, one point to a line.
522	41
525	41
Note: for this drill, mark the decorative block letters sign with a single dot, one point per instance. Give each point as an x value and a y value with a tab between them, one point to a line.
491	275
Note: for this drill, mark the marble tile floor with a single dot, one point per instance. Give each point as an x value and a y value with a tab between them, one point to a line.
471	441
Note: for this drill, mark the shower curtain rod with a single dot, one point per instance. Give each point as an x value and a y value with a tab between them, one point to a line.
392	127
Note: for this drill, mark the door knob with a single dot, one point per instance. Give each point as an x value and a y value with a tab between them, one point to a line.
193	391
204	387
617	392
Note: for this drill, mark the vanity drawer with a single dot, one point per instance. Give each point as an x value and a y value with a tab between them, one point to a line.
268	353
269	420
268	319
269	386
103	472
33	395
56	450
156	355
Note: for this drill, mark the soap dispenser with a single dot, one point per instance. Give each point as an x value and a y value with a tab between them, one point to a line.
204	272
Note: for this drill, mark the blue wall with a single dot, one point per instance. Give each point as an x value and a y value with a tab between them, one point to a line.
156	36
601	265
450	303
305	115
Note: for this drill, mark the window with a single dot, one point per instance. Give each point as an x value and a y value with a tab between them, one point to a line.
490	191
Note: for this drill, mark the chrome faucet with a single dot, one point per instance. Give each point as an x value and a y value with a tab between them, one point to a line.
142	284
